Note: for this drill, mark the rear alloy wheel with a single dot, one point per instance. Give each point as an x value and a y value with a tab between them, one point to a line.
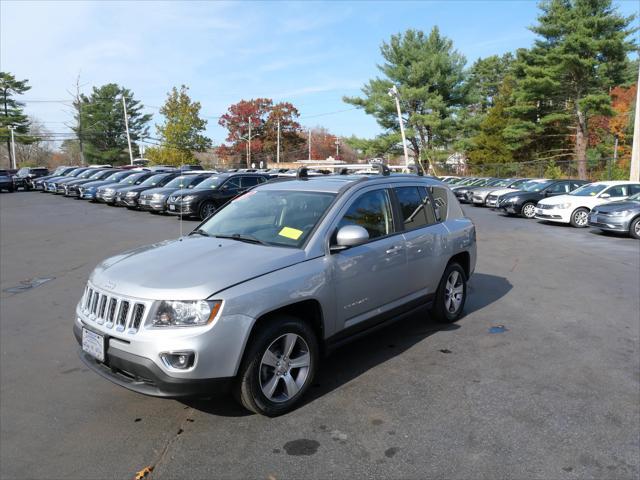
528	210
580	218
451	295
278	367
634	229
206	210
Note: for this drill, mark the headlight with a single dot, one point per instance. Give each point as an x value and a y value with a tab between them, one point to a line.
170	313
157	196
132	194
620	213
562	206
108	190
188	198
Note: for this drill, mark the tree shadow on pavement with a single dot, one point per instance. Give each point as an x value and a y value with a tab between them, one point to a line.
355	358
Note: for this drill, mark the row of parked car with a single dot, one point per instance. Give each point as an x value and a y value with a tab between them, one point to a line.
185	192
608	205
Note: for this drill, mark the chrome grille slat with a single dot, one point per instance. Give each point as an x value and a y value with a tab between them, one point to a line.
112	311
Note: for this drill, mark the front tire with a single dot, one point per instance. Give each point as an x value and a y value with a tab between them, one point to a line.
451	295
634	229
580	218
278	367
206	210
528	210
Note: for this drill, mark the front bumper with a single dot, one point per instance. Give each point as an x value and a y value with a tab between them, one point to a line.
181	209
152	205
510	208
106	197
142	375
478	200
126	201
71	192
86	194
609	223
553	215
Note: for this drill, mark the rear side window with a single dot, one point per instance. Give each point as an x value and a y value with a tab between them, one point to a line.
415	206
246	182
440	198
372	211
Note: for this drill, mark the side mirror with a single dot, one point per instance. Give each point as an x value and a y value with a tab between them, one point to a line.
350	236
605	195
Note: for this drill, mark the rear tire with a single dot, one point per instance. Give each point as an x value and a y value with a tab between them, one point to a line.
634	229
528	210
451	295
268	383
580	218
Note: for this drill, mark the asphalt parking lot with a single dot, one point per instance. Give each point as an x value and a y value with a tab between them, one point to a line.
553	394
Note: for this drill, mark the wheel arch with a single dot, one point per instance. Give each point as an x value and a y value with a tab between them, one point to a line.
464	260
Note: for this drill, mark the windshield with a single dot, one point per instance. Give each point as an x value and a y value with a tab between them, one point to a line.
283	218
590	190
117	176
536	186
518	183
186	181
136	179
211	182
635	197
153	180
502	183
76	172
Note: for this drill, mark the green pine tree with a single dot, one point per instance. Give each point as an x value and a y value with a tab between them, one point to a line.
12	113
565	78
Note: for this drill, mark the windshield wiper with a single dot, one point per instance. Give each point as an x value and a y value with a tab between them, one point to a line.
242	238
200	231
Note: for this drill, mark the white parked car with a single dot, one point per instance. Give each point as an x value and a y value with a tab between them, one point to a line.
574	207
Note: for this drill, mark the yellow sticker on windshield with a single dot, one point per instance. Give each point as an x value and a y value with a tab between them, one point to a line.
292	233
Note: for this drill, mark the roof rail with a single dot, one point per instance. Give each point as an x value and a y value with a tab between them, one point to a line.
302	173
383	169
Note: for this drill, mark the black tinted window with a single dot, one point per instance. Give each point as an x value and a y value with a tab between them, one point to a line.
372	211
248	181
232	183
562	187
439	195
414	206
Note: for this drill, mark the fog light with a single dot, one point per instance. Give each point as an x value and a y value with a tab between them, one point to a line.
178	360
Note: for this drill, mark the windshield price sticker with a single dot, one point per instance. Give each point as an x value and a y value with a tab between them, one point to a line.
292	233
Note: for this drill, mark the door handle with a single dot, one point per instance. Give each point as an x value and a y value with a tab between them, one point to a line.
394	249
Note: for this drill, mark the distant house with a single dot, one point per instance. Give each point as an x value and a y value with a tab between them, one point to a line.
456	162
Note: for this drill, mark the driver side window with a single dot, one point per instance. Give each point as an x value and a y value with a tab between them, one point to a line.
372	211
618	191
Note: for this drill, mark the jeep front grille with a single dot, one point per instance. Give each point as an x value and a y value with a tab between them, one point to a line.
114	311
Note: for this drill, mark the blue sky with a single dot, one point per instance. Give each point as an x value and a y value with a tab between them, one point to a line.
310	54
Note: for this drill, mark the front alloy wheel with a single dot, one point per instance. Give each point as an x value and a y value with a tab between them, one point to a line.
580	218
206	210
278	366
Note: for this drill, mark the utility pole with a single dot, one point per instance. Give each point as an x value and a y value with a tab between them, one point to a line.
278	144
309	143
393	92
337	148
249	147
634	174
126	126
14	162
615	154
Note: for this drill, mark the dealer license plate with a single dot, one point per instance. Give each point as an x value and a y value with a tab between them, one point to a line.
93	344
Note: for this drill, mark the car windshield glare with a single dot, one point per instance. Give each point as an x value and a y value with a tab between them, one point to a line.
181	182
280	218
211	182
152	181
536	186
590	190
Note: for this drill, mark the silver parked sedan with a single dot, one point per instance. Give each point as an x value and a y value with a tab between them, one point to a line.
622	216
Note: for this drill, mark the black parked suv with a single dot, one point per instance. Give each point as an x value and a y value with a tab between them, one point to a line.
210	194
26	175
6	181
523	202
155	199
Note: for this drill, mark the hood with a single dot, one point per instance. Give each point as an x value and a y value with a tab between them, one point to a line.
503	191
560	199
190	268
619	205
192	191
520	193
99	183
162	190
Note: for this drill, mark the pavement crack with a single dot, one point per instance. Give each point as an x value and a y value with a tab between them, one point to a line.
147	471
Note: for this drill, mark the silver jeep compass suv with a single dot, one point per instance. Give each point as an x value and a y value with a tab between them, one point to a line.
253	297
